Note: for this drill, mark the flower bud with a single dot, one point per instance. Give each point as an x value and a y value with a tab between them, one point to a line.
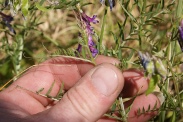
110	3
147	63
160	69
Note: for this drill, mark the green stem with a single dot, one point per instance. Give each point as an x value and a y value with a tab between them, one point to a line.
102	30
179	10
87	48
51	40
176	86
126	11
89	52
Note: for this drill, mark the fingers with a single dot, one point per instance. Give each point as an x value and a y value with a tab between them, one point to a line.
142	109
59	69
135	82
91	97
150	103
82	65
106	59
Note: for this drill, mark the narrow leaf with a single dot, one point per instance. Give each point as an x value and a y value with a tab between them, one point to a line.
50	89
152	84
41	7
25	7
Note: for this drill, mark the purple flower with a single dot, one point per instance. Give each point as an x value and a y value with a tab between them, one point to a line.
102	2
93	50
79	48
110	3
152	64
7	20
147	62
86	20
89	20
6	3
180	40
90	41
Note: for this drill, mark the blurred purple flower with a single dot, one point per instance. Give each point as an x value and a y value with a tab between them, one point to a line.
93	50
6	3
7	19
152	64
89	20
110	3
79	48
86	20
90	41
181	35
147	62
102	2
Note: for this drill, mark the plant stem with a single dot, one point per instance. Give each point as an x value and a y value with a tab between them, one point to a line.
102	30
175	85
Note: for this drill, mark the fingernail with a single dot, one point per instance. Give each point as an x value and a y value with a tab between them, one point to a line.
160	96
105	80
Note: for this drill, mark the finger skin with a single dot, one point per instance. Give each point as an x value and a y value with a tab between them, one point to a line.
44	75
105	59
135	83
140	102
59	69
83	102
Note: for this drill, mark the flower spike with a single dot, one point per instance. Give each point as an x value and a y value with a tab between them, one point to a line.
86	20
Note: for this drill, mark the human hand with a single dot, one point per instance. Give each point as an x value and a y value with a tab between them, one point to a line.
91	92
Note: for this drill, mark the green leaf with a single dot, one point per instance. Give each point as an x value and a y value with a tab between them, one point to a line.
168	52
50	89
113	107
102	30
150	67
128	13
41	7
25	7
173	118
179	10
4	68
39	91
160	68
143	110
41	2
152	84
61	92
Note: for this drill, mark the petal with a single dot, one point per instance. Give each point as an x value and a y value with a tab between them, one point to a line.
90	41
93	50
79	48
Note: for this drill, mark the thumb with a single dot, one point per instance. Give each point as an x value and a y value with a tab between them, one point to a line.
91	97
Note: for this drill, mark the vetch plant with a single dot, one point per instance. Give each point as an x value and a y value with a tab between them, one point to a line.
32	31
88	30
152	65
153	68
147	63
